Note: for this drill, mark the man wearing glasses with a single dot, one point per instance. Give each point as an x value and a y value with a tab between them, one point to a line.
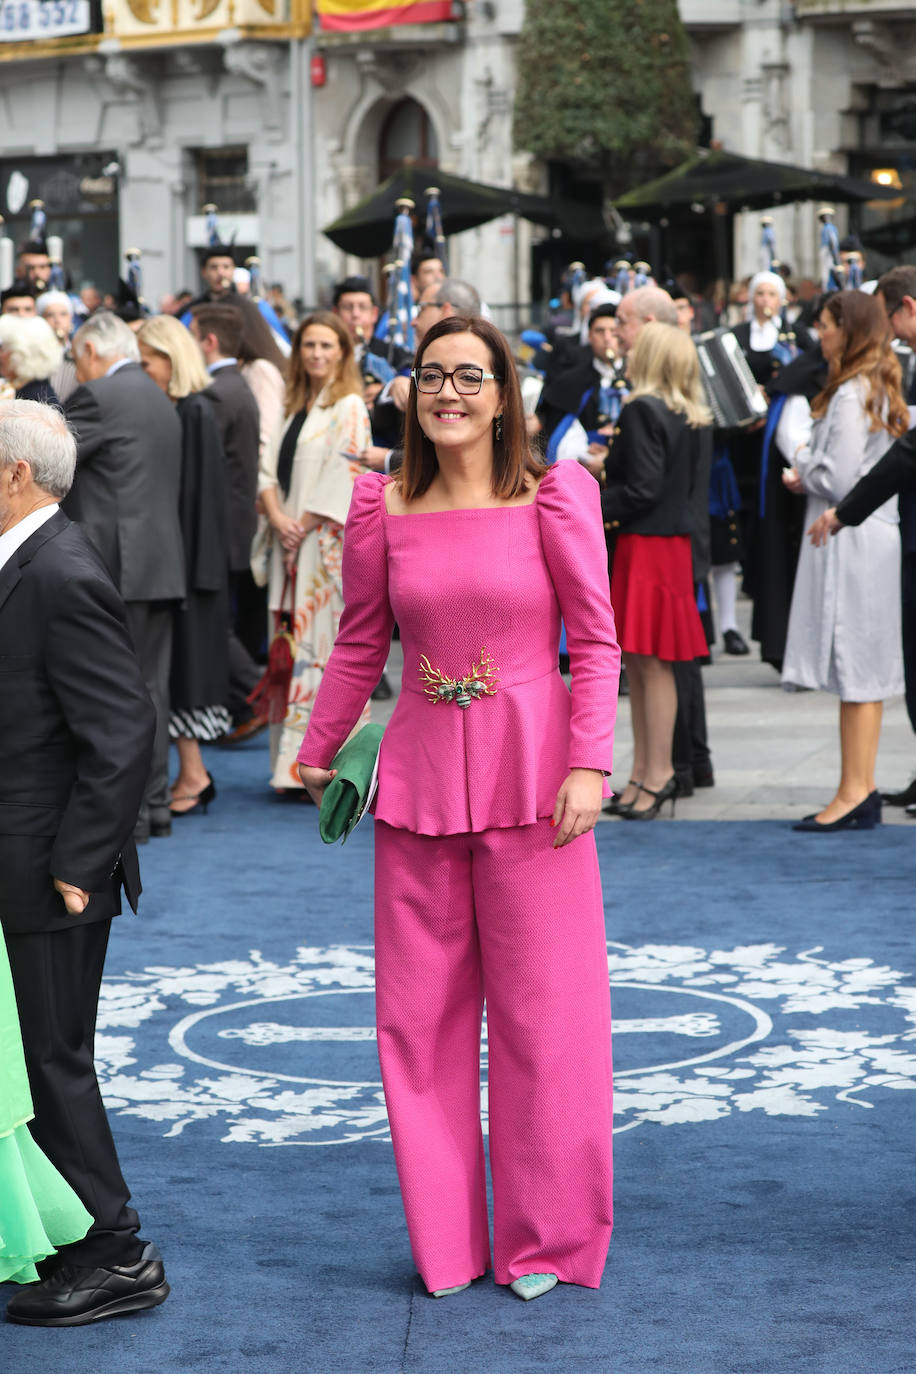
894	474
437	301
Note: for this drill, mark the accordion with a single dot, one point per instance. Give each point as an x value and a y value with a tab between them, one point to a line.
734	398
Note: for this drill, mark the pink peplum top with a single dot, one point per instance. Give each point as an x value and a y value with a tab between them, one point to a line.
485	729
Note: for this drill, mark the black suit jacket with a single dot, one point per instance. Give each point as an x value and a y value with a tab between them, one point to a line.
239	423
125	493
650	471
76	734
894	473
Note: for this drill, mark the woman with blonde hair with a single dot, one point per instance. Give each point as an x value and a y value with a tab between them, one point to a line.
29	353
199	678
647	499
305	485
844	626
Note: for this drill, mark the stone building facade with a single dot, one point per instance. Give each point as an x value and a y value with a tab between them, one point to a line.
127	126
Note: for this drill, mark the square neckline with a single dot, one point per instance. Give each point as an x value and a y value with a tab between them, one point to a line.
456	510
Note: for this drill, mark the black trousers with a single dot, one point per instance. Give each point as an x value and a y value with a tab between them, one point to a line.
150	624
248	608
908	607
57	977
690	747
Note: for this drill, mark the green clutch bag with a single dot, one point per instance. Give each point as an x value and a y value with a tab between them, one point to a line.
347	796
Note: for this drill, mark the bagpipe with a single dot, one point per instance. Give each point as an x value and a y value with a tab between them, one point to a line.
400	296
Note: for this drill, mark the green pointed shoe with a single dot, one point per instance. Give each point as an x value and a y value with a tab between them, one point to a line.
533	1285
447	1292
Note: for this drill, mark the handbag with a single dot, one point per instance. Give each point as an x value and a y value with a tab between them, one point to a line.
270	695
347	797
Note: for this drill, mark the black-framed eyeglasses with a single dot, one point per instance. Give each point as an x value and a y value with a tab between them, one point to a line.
467	381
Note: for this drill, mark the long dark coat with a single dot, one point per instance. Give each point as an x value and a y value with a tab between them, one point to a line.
200	653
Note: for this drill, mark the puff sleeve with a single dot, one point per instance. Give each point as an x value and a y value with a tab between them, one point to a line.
364	637
572	537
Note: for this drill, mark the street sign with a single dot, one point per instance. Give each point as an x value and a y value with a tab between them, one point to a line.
24	20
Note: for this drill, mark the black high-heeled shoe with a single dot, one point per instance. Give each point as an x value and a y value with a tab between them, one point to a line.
664	794
865	816
905	798
619	808
201	799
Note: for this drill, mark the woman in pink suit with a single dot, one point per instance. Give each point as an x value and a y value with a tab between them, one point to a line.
490	783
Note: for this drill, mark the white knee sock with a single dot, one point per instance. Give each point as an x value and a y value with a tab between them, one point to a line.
725	582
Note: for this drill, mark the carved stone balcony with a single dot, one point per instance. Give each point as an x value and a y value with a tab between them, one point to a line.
697	15
854	9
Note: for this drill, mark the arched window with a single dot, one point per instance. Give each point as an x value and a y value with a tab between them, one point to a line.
407	133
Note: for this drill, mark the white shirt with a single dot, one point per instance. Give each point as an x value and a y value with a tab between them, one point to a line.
20	532
764	337
116	366
221	362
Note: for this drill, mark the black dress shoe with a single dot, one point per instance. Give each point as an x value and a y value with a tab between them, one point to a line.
383	690
160	829
74	1295
905	798
733	643
703	777
911	812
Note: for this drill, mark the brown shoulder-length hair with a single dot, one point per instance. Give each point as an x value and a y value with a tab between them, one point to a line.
348	382
866	353
513	461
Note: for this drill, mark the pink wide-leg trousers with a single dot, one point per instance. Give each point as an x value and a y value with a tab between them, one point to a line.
497	915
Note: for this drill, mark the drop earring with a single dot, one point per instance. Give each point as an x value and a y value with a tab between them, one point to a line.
499	428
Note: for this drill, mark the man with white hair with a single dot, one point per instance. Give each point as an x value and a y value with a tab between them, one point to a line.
76	733
125	494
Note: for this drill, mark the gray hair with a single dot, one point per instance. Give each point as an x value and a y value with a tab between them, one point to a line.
40	436
111	337
53	298
459	294
32	345
652	303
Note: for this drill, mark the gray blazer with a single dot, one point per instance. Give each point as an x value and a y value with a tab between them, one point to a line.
128	473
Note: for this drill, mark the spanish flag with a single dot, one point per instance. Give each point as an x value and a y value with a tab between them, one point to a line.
350	16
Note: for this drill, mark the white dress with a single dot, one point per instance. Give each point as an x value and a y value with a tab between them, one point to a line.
844	626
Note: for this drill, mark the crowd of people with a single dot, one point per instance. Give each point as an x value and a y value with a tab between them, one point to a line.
213	520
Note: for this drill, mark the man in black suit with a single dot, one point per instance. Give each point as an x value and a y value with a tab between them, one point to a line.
125	495
893	474
76	734
218	330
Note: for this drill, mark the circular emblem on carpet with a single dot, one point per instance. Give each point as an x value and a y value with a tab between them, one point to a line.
280	1054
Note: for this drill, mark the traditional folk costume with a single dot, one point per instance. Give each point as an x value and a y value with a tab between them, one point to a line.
473	904
314	477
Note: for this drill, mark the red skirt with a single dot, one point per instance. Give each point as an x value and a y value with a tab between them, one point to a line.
653	597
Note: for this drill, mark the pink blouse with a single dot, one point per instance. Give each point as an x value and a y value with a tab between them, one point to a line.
485	729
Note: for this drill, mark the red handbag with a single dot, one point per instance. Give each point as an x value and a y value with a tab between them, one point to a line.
270	695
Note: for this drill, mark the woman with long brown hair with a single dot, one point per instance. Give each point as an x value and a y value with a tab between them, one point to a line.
844	625
305	484
490	783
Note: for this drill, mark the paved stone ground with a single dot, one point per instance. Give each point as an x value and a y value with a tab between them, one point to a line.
775	753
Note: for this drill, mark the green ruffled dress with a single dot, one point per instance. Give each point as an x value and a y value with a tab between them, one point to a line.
39	1211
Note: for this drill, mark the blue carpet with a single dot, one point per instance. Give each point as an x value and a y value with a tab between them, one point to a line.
765	1011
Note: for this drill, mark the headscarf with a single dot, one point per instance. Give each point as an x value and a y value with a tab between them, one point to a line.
770	279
